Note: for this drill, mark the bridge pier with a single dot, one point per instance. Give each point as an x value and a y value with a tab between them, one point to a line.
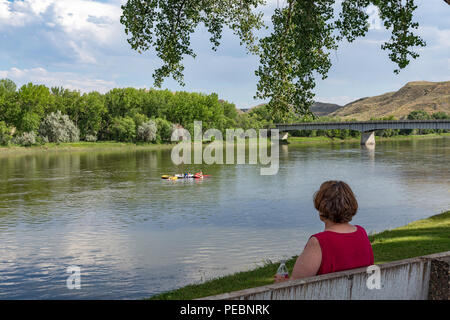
368	138
284	137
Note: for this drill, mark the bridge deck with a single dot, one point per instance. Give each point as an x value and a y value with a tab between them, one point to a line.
364	126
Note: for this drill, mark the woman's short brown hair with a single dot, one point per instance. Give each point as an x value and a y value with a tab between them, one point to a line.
335	201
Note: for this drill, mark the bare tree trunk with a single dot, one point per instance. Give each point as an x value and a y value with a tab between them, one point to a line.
448	1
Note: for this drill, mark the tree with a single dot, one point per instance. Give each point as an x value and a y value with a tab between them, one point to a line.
5	133
123	129
229	109
416	115
124	102
57	127
164	129
139	119
90	110
8	99
440	114
292	56
33	102
7	86
121	103
66	101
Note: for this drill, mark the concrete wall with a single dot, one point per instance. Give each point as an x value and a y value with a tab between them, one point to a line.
420	278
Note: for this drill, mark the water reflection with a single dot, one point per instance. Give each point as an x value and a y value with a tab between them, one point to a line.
134	235
368	151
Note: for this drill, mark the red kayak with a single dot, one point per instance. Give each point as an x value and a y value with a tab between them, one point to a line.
200	175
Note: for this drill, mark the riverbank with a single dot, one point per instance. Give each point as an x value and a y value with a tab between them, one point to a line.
90	146
323	139
113	145
84	146
422	237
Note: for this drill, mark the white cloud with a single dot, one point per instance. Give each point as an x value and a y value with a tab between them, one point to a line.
10	16
81	25
435	37
83	53
75	17
374	17
67	80
88	19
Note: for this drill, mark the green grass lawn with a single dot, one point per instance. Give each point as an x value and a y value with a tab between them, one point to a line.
83	146
99	145
323	139
418	238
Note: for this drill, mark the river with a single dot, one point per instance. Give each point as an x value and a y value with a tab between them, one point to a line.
134	235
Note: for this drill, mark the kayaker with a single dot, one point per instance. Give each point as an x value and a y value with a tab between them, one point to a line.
199	174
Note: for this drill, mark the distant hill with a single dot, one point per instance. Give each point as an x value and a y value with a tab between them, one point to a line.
248	109
321	109
421	95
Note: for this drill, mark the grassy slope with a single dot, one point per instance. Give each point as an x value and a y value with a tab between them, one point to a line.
418	238
420	95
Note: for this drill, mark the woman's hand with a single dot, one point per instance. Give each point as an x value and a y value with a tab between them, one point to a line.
280	278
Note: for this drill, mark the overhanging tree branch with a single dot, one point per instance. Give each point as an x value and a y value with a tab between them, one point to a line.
292	56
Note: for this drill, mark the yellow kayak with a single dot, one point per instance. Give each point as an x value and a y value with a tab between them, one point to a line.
169	177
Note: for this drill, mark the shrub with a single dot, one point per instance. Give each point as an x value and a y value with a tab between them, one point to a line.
5	133
147	131
344	134
164	129
139	119
26	139
123	129
91	138
59	128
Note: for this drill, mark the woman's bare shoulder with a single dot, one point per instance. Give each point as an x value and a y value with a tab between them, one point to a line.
313	243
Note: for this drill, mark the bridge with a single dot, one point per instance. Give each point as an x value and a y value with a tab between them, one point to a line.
367	128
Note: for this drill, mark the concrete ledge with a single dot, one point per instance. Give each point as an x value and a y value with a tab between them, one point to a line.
417	278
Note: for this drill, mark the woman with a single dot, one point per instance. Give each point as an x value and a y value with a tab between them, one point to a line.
341	246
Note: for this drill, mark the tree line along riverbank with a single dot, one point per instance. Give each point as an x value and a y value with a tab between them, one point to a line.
34	115
422	237
117	145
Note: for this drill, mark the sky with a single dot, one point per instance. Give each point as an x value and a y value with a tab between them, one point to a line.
80	44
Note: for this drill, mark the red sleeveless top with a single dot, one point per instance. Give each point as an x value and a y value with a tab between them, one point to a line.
343	251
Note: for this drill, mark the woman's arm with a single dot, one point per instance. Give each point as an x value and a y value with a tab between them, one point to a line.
308	262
